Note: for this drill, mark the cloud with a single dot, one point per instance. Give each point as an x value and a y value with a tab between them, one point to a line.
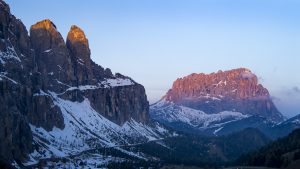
296	89
261	79
274	98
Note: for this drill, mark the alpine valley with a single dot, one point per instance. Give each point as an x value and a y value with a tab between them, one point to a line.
60	109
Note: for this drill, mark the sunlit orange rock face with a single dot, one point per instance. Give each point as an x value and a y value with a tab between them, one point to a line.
78	45
45	36
237	84
51	54
234	90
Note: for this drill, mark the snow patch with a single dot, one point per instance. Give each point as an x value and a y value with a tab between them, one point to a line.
118	82
80	61
296	121
107	83
41	93
9	54
221	83
216	131
3	75
47	51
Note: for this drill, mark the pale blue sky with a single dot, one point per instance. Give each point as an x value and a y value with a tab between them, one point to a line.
157	41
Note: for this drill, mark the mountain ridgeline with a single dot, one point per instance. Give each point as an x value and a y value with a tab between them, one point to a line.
34	68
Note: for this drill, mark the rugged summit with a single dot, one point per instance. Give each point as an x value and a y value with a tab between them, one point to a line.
234	90
51	55
41	75
78	46
217	103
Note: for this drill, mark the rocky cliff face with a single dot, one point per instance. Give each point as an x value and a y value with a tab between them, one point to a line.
78	46
235	90
52	58
15	93
34	68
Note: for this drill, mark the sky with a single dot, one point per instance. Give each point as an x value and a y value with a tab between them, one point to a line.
157	41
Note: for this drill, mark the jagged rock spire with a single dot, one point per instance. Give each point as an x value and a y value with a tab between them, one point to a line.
44	36
78	46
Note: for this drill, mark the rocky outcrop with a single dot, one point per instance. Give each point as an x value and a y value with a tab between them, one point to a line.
36	67
235	84
118	104
52	56
233	90
78	46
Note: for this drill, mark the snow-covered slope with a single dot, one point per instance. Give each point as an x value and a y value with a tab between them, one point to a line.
286	127
190	120
85	129
177	116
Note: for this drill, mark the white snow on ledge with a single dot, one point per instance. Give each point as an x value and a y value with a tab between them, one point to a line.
3	76
47	51
118	82
107	83
41	93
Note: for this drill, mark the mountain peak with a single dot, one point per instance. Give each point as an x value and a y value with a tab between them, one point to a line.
230	90
232	84
76	34
44	36
78	45
45	24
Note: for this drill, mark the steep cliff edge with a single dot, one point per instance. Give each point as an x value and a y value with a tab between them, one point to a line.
38	71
